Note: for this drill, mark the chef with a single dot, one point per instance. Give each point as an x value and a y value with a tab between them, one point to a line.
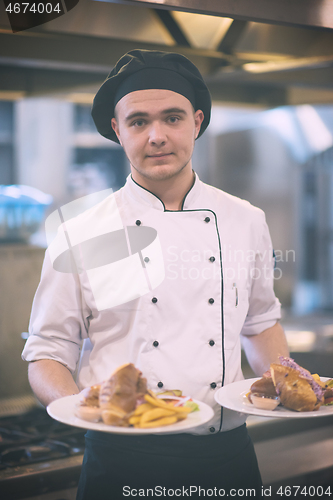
168	273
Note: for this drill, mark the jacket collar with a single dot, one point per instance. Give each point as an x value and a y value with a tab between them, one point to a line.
142	195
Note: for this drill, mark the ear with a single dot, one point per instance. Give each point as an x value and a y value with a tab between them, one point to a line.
198	119
115	128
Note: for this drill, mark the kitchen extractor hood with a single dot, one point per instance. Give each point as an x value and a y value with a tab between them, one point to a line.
311	13
273	56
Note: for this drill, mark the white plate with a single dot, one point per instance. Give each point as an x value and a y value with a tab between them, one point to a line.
63	410
233	397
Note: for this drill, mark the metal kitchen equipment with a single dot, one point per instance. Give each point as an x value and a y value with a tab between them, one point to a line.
39	456
22	209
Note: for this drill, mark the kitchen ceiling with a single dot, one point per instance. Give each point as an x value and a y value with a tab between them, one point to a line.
288	59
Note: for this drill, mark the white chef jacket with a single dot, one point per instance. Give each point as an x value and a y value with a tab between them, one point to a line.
213	283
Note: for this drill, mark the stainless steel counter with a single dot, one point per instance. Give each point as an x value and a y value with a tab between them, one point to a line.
294	451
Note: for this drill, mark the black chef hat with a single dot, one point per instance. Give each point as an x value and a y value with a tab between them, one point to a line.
149	69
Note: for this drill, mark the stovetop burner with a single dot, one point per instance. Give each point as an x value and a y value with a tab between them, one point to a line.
32	453
35	437
38	454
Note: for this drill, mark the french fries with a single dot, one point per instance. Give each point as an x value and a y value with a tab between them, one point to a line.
155	413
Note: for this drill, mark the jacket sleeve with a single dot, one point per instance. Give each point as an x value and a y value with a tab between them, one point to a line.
264	307
59	318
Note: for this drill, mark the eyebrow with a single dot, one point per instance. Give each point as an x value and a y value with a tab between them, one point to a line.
142	114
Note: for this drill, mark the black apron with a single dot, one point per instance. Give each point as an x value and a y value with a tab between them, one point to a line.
178	465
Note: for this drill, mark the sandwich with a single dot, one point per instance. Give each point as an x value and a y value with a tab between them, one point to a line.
295	391
120	395
115	399
296	388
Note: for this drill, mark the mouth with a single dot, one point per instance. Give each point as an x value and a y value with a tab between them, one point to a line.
159	155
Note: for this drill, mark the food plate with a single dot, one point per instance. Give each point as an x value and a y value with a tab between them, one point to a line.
63	410
233	397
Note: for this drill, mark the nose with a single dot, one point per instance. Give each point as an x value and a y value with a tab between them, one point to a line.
157	134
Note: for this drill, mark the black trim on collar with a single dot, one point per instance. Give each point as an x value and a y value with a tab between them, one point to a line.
194	181
164	209
149	192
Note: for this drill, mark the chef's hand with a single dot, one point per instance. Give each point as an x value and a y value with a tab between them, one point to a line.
50	380
263	349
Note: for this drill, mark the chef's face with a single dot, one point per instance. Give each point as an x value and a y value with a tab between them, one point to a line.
157	129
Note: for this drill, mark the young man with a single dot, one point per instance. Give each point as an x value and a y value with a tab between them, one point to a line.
207	260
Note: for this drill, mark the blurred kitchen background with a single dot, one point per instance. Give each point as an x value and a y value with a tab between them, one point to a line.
270	141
